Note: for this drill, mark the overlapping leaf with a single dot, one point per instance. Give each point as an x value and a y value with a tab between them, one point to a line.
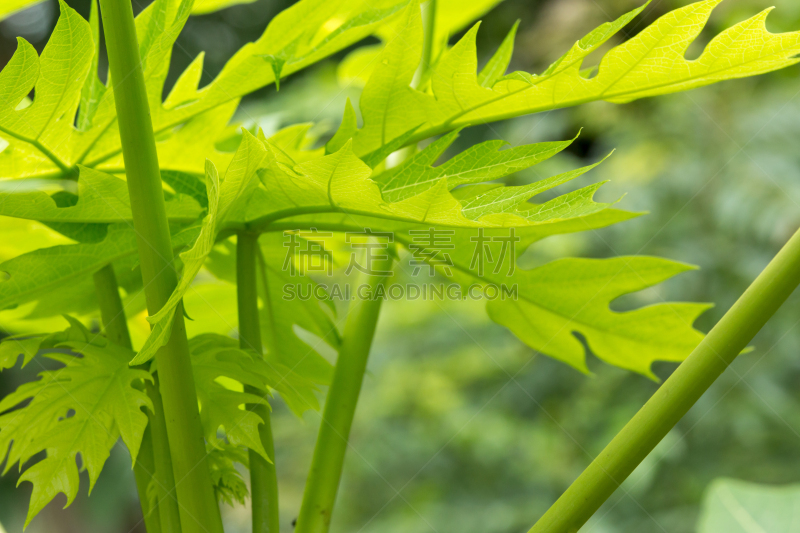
649	64
451	17
102	198
280	316
222	400
228	483
43	139
82	408
221	407
223	199
547	306
36	274
416	192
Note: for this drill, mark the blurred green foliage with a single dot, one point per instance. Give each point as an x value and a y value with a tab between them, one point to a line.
462	428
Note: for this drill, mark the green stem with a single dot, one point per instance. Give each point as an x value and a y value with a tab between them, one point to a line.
199	511
112	312
263	477
677	395
113	316
429	30
167	501
340	404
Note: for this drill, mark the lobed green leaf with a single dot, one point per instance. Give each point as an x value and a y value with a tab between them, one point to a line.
82	408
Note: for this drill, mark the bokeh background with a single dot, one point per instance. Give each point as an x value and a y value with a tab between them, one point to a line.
461	427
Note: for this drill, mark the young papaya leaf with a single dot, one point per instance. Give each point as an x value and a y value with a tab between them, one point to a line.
186	184
186	149
82	408
240	180
229	486
301	35
76	231
547	306
281	316
480	162
11	348
221	403
28	346
347	128
451	17
341	182
342	222
93	89
296	142
496	67
388	103
57	77
264	373
550	310
733	506
651	63
49	137
34	275
102	198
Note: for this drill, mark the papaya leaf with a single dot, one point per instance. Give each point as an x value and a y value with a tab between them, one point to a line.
547	306
572	295
28	346
102	198
221	404
229	486
240	179
415	191
34	275
496	67
280	317
202	7
50	137
651	63
480	162
452	16
93	89
82	408
263	373
44	130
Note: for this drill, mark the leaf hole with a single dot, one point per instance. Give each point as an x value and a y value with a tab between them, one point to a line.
698	46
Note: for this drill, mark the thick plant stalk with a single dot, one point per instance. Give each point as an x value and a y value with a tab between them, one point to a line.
677	395
340	406
199	511
168	511
154	461
263	476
